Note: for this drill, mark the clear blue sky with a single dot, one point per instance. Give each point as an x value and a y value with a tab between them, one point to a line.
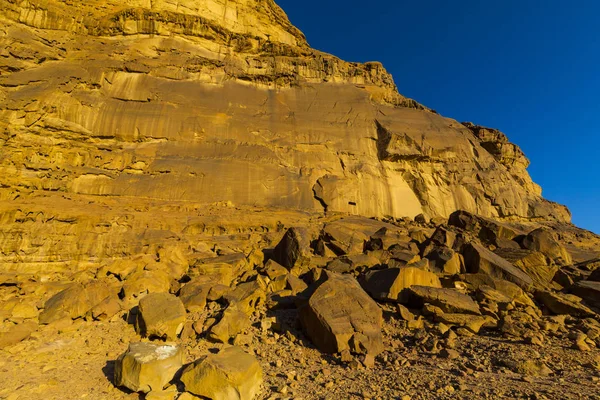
530	68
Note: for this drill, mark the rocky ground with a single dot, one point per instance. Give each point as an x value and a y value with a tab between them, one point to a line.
446	324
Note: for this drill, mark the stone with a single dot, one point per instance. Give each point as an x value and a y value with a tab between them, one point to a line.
160	315
589	291
445	260
246	296
233	322
273	269
106	309
146	367
471	322
230	374
533	263
217	292
528	367
563	304
167	394
449	354
74	302
405	313
141	283
443	237
17	333
448	300
339	312
344	241
294	248
194	294
295	284
478	259
422	219
391	284
218	270
544	241
509	289
486	229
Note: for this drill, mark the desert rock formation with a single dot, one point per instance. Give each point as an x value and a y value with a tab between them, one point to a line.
193	171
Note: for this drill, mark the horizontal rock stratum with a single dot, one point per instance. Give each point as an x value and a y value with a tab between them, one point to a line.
224	100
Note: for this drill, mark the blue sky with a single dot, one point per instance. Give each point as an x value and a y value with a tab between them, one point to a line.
530	68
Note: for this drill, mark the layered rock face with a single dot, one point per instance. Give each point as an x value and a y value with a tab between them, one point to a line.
219	100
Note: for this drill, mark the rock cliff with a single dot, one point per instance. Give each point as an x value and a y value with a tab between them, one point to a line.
221	100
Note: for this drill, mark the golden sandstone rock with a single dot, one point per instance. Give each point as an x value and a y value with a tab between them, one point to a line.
146	367
230	374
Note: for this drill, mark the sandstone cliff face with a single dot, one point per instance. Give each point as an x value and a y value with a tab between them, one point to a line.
222	100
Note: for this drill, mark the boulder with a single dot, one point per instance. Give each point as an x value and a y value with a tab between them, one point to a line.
160	315
390	284
544	241
563	304
340	316
219	271
487	230
509	289
445	260
141	283
273	269
233	322
195	293
469	321
230	374
589	291
294	248
443	237
448	300
75	301
479	259
533	263
17	333
146	367
295	284
106	309
246	296
344	238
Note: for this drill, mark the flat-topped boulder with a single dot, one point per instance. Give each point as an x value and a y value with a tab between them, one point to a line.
478	259
340	315
146	367
230	374
448	300
391	284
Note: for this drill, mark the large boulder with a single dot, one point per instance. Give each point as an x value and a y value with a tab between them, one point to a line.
563	304
343	237
390	284
448	300
230	374
160	315
487	230
544	241
75	301
146	367
479	259
589	291
294	248
533	263
340	315
508	289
